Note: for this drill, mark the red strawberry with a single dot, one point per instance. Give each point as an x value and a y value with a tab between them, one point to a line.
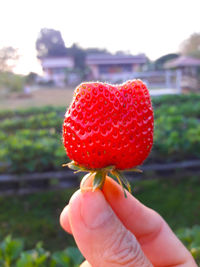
109	125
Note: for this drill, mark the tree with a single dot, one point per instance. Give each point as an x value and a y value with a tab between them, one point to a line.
78	54
31	78
96	51
8	58
191	46
50	44
159	63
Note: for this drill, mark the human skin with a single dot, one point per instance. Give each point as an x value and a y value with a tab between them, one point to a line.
111	230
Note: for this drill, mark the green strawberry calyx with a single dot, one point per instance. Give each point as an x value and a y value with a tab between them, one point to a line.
99	175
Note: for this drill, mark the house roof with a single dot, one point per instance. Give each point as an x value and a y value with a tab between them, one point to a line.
57	62
182	61
104	59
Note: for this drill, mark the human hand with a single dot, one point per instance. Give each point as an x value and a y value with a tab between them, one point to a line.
111	230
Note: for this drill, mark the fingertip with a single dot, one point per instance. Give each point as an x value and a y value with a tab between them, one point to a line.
64	220
111	188
65	216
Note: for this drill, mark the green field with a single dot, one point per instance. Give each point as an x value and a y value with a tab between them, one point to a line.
30	141
36	217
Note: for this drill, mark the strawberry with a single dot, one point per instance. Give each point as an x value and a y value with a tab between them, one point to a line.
108	125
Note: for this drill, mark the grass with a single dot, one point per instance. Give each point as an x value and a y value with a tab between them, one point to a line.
36	217
177	200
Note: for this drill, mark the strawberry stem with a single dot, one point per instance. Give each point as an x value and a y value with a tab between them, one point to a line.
99	180
99	175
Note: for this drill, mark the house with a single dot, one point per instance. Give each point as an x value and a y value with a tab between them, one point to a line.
188	65
189	68
114	68
54	69
104	67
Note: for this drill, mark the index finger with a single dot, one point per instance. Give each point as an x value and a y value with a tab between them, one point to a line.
156	238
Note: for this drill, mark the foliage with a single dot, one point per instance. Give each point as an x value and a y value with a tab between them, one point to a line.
40	212
26	112
175	100
159	63
12	254
186	109
31	138
191	45
176	138
36	216
12	82
39	153
191	238
79	56
8	57
41	121
90	51
50	44
31	77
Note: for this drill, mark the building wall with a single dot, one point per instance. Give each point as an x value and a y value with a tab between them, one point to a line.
95	71
54	69
113	70
65	62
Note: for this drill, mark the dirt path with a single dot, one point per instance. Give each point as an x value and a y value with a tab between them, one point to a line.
40	97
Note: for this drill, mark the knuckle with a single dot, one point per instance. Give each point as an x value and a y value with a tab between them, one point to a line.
123	249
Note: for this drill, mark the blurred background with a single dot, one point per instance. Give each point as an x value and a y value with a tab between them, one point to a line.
46	49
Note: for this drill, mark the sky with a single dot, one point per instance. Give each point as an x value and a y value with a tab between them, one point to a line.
153	27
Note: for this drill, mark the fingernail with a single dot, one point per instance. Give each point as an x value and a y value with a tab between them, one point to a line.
95	211
86	182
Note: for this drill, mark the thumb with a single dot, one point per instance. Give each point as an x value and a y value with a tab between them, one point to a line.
100	235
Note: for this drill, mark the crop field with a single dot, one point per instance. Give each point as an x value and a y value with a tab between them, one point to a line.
30	141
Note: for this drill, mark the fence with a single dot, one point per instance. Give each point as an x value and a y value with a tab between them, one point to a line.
49	181
166	79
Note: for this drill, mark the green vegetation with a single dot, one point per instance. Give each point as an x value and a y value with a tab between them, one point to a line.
176	138
36	217
176	198
30	139
12	82
177	100
12	252
26	112
191	238
13	255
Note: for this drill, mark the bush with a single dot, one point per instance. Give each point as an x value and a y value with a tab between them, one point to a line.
175	99
41	121
176	138
11	81
12	254
26	112
187	110
191	238
30	139
30	151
